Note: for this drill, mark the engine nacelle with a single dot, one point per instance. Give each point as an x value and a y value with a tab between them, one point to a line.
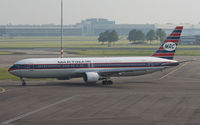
91	77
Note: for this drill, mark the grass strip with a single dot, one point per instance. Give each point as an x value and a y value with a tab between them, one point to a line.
6	53
5	75
129	52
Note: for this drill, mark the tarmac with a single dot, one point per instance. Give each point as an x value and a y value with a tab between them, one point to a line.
171	97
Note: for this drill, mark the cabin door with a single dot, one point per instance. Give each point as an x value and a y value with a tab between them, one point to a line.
90	65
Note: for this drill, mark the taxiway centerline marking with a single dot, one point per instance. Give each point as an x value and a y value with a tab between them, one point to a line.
37	110
2	90
173	71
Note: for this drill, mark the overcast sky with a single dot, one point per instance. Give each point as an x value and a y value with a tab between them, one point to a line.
121	11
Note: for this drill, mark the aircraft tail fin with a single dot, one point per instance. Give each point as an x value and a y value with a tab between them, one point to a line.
168	47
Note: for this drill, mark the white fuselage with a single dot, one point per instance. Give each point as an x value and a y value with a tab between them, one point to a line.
66	68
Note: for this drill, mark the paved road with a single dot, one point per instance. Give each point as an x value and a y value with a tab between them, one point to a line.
171	97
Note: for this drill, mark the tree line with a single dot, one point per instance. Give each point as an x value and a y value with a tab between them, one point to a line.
134	35
108	36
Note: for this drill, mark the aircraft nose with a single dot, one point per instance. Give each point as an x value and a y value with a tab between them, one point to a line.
10	69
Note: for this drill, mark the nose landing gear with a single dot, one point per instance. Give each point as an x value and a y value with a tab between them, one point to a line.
23	82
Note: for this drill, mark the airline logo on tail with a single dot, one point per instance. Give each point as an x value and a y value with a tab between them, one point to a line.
168	48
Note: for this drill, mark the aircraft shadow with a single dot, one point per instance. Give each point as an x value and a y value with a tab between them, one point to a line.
116	85
76	84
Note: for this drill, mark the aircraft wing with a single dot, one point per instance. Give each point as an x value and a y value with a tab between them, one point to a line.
117	72
114	72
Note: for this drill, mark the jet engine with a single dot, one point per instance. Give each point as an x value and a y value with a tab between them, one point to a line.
91	77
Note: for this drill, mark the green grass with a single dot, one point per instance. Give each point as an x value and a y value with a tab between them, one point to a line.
130	52
111	52
187	53
80	44
74	42
6	53
5	75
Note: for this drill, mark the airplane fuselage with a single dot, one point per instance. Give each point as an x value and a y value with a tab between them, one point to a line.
66	68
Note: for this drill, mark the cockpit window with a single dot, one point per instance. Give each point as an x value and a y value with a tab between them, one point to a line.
18	66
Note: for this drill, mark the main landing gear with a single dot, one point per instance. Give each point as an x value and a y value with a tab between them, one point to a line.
107	82
23	82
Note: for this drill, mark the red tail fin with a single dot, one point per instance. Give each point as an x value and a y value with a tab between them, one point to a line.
168	48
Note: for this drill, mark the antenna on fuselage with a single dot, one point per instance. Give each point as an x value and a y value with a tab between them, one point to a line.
61	28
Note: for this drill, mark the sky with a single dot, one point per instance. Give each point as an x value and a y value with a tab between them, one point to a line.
120	11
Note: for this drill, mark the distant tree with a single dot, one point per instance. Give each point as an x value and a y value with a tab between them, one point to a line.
141	35
108	36
112	37
132	35
135	35
102	38
161	34
151	35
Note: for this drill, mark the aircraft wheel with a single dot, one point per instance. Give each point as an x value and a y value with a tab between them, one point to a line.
107	82
23	82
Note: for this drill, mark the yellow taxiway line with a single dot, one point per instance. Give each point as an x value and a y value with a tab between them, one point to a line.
173	71
2	90
9	122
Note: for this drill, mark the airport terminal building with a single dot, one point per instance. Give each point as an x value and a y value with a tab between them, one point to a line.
88	27
50	30
93	27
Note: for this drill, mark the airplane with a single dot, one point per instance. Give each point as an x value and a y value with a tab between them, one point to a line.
94	69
